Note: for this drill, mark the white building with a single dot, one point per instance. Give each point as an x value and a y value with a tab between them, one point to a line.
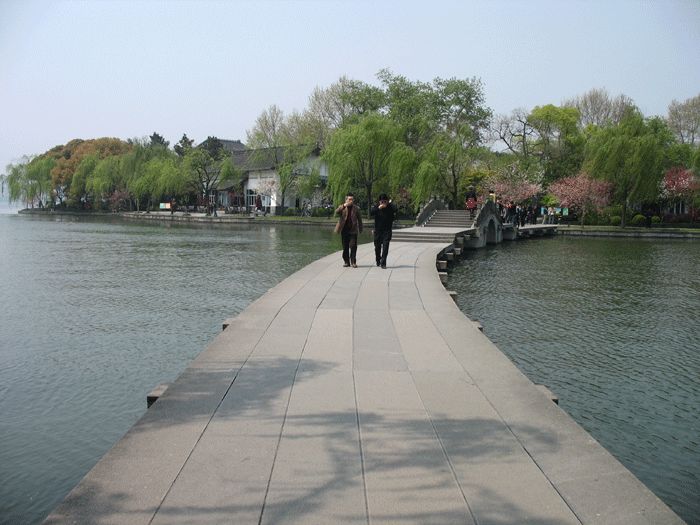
261	180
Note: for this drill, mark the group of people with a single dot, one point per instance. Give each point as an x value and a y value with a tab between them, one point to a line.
349	226
517	214
511	213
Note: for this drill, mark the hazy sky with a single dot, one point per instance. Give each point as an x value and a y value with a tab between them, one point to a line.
88	69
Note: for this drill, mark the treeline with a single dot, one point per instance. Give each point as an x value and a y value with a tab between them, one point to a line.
109	173
595	153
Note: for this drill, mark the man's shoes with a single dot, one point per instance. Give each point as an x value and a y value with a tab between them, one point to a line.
346	265
383	266
378	263
354	265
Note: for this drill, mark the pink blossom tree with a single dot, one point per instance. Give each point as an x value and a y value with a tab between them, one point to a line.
679	184
581	193
513	182
516	191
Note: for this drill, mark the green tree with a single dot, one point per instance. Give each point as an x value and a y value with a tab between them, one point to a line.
214	147
29	181
104	178
557	142
78	187
415	106
630	156
38	180
309	185
365	153
450	153
204	167
183	146
158	141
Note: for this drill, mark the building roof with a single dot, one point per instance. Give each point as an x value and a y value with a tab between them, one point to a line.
232	145
264	158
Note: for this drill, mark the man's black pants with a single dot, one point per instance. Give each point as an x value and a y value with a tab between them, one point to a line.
381	246
349	247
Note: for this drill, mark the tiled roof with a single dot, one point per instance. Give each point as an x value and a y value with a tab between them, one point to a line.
261	159
232	145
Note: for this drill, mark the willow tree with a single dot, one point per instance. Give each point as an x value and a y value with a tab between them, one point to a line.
105	178
463	120
364	154
30	181
630	156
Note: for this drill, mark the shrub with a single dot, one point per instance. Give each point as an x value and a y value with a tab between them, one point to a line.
613	211
290	212
656	219
321	212
615	220
638	220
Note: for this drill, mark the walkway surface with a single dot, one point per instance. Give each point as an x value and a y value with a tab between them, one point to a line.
357	396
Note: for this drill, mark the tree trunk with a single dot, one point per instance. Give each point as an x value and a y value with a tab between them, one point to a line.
369	198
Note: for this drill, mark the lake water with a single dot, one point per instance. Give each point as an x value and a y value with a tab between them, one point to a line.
612	326
95	312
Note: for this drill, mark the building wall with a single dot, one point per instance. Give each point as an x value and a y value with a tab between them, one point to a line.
258	181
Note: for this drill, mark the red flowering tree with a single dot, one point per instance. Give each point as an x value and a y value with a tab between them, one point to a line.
582	193
679	184
516	191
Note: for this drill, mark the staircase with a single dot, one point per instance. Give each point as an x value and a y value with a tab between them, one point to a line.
443	226
450	219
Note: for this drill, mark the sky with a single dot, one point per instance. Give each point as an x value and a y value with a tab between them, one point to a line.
104	68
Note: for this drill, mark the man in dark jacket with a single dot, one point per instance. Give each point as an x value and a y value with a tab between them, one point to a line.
384	214
349	227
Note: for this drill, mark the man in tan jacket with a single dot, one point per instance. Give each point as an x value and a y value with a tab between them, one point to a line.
349	227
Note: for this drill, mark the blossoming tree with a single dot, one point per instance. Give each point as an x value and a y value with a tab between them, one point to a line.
679	184
582	193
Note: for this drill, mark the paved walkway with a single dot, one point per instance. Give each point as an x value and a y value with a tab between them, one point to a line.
357	396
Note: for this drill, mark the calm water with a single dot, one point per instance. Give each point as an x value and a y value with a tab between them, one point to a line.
94	314
613	328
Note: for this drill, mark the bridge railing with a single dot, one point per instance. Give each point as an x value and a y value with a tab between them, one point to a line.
428	209
487	209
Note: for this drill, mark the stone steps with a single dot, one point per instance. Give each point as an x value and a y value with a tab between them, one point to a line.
413	236
450	219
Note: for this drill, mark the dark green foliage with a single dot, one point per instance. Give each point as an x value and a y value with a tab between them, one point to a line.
638	220
321	212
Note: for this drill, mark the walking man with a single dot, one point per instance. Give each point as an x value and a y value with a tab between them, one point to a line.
384	214
349	227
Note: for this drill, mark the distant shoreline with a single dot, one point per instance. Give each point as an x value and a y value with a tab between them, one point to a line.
201	218
667	232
